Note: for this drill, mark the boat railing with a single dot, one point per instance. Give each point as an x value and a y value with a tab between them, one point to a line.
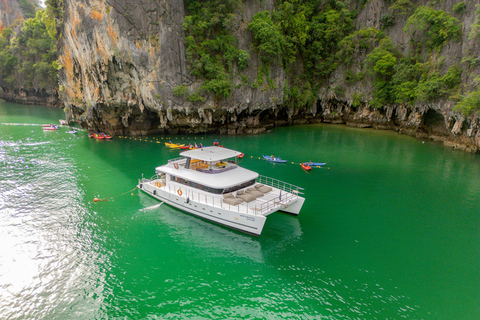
145	180
278	184
253	208
176	159
215	201
219	170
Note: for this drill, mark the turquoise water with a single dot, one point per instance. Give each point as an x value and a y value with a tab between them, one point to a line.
389	230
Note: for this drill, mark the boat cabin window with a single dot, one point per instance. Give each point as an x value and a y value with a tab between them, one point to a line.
240	186
196	185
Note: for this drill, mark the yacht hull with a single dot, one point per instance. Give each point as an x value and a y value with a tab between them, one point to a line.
252	224
295	207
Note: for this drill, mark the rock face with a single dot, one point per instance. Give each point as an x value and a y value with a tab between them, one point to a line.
38	97
123	58
9	12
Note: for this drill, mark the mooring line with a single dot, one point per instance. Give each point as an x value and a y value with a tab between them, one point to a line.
111	198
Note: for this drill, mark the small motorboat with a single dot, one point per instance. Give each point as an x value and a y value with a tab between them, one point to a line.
274	159
315	164
305	166
49	128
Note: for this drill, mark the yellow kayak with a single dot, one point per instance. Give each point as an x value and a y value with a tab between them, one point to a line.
174	145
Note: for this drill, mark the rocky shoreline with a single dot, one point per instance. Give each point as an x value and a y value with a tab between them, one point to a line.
29	98
423	123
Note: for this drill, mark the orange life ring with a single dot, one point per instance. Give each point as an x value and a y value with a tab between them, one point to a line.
175	165
179	191
159	184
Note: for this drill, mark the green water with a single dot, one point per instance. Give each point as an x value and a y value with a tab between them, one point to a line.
389	230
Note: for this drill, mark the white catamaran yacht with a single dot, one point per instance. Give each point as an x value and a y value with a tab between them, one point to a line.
209	183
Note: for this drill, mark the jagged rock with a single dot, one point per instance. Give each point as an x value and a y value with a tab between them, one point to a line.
457	127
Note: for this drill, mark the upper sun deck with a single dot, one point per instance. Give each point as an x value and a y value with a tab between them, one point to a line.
209	166
210	154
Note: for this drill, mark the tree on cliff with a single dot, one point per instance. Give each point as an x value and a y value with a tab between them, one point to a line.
28	56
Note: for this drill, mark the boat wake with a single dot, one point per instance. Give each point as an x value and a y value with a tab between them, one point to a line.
151	207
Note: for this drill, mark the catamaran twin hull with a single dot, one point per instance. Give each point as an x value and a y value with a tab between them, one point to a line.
209	183
246	217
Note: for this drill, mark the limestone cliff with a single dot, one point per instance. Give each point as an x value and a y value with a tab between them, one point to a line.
9	12
123	59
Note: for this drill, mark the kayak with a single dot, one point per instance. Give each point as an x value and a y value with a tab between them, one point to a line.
72	131
241	155
273	159
305	166
101	136
175	145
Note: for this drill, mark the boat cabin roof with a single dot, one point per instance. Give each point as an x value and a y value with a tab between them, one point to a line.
212	153
220	180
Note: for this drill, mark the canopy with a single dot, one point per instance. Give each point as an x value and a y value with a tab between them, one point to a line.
210	153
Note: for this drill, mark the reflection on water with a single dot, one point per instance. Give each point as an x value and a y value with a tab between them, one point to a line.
390	231
204	234
47	262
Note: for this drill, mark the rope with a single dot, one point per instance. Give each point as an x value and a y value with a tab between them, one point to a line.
111	198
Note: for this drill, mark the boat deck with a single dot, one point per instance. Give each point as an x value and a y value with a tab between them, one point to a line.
204	166
270	202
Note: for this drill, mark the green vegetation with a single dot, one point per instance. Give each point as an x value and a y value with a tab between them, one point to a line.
28	54
307	31
29	8
402	6
211	48
180	90
382	61
269	39
469	103
310	39
459	7
435	27
329	25
474	32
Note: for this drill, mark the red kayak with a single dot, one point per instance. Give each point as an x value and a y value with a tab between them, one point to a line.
305	166
241	155
101	136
